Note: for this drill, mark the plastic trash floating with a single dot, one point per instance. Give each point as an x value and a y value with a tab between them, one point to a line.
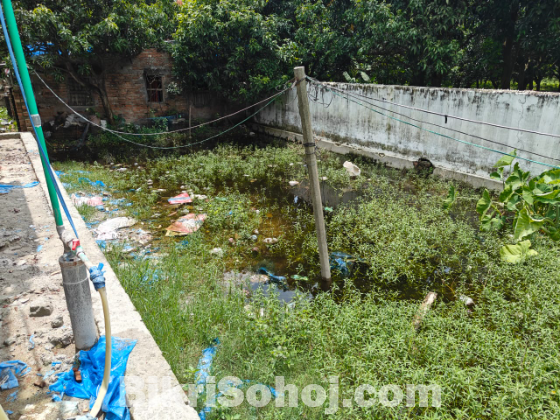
182	198
90	201
108	229
186	224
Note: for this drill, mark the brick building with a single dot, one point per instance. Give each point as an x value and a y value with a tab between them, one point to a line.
138	91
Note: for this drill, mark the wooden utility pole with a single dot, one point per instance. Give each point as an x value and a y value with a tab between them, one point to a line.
309	145
190	114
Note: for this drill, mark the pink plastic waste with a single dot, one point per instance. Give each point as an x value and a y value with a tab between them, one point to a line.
180	199
90	201
186	224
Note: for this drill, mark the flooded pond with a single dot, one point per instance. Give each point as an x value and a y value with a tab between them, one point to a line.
391	243
276	203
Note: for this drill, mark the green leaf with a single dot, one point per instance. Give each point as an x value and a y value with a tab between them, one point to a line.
497	223
506	194
550	177
514	182
485	223
451	198
511	205
522	175
497	175
554	233
483	204
365	76
528	195
550	197
526	225
515	254
506	160
489	222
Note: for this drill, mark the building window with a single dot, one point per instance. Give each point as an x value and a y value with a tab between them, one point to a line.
154	87
79	95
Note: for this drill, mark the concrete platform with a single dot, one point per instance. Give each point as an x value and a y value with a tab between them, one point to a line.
153	391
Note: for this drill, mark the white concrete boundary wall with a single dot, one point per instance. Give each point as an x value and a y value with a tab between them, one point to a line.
352	127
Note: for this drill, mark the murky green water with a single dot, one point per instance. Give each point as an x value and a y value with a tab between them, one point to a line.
284	206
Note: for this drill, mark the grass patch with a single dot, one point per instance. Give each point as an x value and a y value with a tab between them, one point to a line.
497	360
88	213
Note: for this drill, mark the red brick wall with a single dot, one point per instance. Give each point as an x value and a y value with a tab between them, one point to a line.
23	119
126	89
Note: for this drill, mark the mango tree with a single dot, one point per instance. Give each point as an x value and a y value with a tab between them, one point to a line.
232	47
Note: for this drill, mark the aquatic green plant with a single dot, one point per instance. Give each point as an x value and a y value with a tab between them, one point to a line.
495	360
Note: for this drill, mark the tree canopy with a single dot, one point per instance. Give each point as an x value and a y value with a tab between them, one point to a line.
85	40
231	46
246	47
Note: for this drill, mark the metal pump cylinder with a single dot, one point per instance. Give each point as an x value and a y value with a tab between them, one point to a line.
78	300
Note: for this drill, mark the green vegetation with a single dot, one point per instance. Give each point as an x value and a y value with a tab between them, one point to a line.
530	204
231	47
86	41
11	124
245	49
496	360
533	201
249	45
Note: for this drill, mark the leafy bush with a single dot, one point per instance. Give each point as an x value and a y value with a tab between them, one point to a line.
232	48
529	204
411	243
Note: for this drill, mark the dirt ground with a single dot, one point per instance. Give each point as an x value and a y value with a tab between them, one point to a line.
30	277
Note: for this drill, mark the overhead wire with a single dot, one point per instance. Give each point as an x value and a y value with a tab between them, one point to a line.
431	131
201	141
163	132
431	123
427	111
315	96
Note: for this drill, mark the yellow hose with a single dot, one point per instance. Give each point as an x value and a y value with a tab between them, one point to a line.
3	415
107	371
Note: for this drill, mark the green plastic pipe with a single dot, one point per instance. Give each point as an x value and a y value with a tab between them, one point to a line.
28	92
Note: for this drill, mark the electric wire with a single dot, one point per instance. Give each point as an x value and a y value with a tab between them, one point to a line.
435	132
163	132
505	127
201	141
354	95
315	96
49	170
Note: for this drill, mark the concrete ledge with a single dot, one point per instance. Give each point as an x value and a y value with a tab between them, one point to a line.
382	156
153	390
10	136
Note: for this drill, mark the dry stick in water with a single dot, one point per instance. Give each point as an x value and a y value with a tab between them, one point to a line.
423	310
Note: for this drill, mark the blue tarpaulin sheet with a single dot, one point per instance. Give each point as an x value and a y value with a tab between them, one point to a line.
205	363
203	371
92	183
92	363
272	277
343	263
6	188
8	372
